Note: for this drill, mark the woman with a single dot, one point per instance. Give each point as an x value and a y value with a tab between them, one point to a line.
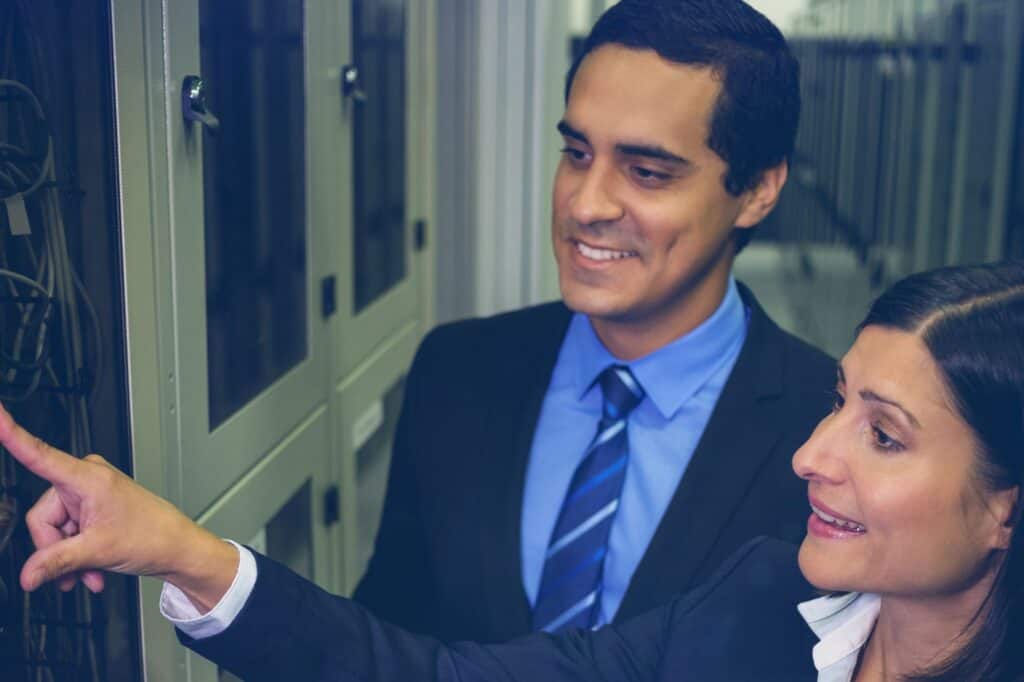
914	483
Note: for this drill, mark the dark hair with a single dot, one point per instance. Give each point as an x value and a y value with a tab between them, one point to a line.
753	127
971	319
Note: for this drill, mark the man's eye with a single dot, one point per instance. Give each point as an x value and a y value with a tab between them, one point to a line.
573	154
646	174
837	401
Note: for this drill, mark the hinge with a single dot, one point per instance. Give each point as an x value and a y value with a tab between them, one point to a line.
420	234
332	506
328	296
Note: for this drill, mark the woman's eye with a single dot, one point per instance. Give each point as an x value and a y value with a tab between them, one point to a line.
883	440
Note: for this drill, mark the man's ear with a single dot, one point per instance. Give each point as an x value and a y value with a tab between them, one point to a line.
759	201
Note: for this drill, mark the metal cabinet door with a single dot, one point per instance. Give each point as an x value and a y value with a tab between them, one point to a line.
381	183
248	83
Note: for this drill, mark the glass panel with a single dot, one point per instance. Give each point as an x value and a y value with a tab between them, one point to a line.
990	84
378	39
254	183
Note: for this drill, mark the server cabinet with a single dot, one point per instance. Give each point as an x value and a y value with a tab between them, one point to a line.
272	261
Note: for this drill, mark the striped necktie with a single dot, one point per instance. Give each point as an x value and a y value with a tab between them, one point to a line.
570	586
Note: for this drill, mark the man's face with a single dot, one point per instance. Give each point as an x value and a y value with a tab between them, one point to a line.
642	224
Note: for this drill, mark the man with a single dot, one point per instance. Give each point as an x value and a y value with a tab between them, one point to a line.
558	469
679	120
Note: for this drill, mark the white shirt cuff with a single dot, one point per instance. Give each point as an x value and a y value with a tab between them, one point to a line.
177	608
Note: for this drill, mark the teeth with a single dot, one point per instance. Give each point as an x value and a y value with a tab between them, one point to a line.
828	518
602	254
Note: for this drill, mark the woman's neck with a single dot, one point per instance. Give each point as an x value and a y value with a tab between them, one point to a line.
915	634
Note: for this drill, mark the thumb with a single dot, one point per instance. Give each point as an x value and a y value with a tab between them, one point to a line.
54	561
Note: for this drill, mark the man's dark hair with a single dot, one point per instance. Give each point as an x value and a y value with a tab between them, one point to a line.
753	127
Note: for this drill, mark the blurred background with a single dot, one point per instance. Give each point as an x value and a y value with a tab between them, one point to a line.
225	226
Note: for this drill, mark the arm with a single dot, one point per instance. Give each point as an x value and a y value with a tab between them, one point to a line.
95	518
398	585
291	629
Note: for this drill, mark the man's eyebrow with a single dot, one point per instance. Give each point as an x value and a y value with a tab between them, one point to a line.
651	152
646	150
568	131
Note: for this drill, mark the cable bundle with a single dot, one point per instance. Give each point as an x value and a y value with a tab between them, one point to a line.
43	348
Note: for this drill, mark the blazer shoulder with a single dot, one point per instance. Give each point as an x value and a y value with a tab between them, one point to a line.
498	334
762	568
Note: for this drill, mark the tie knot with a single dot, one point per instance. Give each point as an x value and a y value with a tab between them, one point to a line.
621	391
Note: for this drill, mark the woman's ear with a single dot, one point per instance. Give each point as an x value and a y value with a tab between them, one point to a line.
1005	506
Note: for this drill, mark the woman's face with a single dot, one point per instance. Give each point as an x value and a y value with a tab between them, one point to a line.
897	505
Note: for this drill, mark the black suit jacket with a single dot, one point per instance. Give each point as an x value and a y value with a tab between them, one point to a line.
447	557
741	626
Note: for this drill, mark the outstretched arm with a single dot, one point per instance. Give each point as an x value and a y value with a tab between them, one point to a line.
291	629
94	518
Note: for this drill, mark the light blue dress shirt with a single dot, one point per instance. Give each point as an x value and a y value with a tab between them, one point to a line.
682	380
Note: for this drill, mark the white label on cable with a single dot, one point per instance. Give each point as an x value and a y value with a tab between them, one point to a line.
259	542
367	423
17	216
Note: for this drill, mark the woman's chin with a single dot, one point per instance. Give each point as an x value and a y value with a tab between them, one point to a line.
821	570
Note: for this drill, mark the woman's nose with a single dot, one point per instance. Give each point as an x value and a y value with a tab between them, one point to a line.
594	201
820	458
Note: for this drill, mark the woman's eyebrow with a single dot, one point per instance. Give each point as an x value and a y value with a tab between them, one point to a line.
871	396
874	397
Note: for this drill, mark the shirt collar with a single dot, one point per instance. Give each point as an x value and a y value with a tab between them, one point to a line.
843	624
675	372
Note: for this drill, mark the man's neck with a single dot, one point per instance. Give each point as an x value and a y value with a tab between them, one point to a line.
629	339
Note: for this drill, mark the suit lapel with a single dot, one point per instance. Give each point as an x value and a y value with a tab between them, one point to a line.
741	432
510	425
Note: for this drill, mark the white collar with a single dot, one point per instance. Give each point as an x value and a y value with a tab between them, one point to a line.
843	623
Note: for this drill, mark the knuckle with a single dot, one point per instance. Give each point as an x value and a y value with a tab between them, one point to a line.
32	516
96	459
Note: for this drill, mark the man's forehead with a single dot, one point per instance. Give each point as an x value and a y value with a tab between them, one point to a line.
636	96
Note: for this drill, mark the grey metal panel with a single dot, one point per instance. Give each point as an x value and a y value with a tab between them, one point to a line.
144	208
349	402
301	458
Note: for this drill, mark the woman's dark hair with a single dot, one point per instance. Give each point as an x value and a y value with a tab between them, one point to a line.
971	319
754	124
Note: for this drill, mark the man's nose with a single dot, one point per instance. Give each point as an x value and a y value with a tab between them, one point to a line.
820	458
595	199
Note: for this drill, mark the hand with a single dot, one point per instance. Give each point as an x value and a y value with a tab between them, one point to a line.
95	518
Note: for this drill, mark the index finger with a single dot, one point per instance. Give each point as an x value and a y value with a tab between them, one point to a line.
41	459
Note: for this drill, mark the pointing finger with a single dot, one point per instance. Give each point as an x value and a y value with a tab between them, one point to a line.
38	457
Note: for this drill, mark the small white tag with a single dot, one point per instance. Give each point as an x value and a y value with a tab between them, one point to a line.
17	216
367	423
259	542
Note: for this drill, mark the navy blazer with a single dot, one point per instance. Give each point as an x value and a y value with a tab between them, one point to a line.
741	626
447	558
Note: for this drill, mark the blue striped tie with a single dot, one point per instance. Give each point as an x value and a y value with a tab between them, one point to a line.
570	586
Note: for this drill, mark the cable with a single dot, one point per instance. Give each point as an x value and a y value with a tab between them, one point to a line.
47	166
